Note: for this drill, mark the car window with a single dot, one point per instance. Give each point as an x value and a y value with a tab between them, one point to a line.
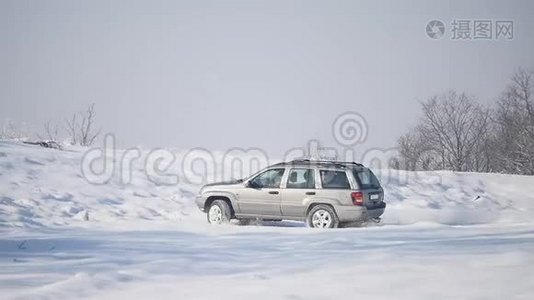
301	179
334	179
268	179
366	179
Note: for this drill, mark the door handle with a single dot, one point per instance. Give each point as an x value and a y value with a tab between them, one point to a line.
310	193
273	192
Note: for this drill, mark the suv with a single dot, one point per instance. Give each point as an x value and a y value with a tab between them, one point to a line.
324	194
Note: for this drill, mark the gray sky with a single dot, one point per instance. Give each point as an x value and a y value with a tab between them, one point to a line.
268	74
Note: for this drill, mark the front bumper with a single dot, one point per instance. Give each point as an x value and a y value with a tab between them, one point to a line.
200	200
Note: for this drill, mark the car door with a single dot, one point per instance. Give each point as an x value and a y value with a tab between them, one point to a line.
300	184
261	194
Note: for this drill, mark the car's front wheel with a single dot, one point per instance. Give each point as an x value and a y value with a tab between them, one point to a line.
219	212
322	216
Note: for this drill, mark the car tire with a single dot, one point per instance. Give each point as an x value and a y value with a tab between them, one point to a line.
322	216
219	212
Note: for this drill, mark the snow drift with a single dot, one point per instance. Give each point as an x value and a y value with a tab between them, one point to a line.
63	238
45	187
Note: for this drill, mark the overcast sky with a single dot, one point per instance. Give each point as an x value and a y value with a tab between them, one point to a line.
268	74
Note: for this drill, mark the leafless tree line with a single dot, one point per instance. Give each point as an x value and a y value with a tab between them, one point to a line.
12	131
79	128
457	133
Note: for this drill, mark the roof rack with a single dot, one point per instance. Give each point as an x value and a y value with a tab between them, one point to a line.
352	163
332	162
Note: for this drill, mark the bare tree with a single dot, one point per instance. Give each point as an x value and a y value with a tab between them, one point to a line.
87	134
448	135
71	125
413	152
12	131
483	156
81	127
514	119
452	124
51	131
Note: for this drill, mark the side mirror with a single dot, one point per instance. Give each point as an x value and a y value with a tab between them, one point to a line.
251	184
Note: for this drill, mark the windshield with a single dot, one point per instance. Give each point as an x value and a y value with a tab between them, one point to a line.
366	179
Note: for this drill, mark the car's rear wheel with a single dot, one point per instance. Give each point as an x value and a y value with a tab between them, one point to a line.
322	216
219	212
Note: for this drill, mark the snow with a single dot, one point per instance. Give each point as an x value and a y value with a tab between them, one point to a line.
444	235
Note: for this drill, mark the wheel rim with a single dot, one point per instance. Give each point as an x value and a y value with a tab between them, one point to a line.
215	214
321	219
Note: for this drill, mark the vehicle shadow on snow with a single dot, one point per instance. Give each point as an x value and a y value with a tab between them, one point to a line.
297	224
280	224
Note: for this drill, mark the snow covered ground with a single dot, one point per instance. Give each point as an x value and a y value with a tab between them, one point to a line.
444	235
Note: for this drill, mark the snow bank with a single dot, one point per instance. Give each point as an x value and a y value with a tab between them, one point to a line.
63	238
456	198
42	187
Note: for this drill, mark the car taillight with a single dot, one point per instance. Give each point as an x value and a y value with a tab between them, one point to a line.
357	198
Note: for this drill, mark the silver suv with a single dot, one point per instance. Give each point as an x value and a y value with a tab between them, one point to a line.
324	194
